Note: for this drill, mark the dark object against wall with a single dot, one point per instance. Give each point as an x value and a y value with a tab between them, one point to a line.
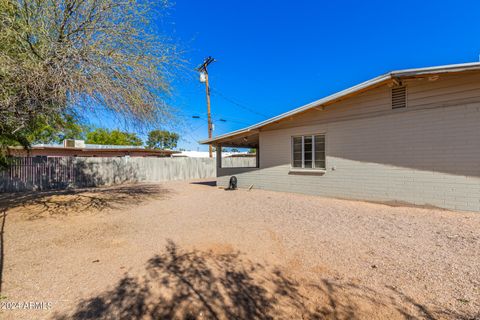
232	184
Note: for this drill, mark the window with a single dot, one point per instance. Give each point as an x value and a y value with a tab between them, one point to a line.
308	152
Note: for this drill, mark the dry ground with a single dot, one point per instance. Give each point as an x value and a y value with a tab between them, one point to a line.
193	251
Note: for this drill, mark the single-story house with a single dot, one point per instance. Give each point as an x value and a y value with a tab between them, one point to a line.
409	136
77	148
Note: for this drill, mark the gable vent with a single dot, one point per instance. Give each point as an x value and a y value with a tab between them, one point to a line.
399	97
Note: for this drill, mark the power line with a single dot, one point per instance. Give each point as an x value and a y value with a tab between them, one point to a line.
192	135
222	119
225	97
231	120
202	68
247	108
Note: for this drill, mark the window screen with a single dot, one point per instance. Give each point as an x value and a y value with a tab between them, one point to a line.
297	152
308	152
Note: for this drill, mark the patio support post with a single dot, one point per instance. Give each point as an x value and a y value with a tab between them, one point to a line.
219	155
257	157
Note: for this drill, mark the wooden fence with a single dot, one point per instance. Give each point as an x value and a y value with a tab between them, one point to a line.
43	173
48	173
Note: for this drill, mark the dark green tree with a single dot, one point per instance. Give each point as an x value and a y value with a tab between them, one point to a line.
92	57
64	127
112	137
162	139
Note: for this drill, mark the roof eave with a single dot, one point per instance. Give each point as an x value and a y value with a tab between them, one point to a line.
367	85
360	87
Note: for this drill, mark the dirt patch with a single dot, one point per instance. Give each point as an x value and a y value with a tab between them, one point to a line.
180	284
218	248
192	251
79	202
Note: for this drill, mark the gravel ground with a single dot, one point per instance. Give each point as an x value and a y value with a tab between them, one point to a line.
193	251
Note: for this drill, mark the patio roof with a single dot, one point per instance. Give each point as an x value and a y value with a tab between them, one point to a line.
238	136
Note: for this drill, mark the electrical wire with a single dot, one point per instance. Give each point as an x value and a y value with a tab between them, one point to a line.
243	106
222	119
229	99
191	133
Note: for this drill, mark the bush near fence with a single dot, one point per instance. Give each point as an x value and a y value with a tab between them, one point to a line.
48	173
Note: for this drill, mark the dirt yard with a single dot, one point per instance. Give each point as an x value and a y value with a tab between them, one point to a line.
193	251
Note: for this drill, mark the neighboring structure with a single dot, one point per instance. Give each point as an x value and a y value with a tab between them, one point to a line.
77	148
408	136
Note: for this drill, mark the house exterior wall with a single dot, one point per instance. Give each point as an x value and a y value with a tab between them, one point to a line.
425	154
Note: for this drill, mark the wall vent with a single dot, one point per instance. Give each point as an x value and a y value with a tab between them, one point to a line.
399	97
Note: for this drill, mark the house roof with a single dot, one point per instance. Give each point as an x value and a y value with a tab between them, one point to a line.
364	86
100	151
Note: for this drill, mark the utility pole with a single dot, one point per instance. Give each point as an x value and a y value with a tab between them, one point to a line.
204	78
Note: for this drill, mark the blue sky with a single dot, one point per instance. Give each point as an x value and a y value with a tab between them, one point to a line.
273	56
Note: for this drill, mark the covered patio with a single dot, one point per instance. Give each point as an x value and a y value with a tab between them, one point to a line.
243	139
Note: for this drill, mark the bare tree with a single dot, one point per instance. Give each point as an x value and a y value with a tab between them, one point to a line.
60	56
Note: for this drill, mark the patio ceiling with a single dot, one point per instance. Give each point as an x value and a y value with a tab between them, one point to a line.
246	140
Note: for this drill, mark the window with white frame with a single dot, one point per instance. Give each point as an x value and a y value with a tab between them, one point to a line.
308	152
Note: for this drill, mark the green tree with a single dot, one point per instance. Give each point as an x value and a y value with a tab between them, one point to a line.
162	139
87	56
64	127
113	137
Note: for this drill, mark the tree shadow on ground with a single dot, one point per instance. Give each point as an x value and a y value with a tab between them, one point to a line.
180	284
36	205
